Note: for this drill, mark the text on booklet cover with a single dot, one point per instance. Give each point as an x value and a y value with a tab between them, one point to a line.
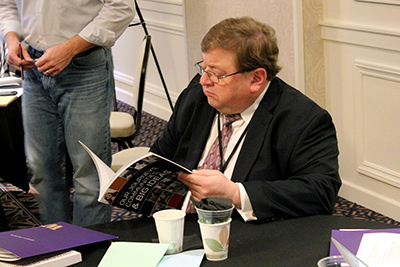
143	185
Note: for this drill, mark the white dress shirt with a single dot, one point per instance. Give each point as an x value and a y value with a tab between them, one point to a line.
46	23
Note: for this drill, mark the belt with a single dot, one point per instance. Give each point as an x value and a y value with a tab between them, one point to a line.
34	52
38	53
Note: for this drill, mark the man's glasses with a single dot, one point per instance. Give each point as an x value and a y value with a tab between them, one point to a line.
211	75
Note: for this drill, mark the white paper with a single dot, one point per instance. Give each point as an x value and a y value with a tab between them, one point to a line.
380	249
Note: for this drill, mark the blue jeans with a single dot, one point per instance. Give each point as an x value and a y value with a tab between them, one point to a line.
57	112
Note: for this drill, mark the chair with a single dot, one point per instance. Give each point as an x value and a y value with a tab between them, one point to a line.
120	158
124	126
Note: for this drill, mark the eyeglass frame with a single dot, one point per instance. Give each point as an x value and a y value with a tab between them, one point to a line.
202	70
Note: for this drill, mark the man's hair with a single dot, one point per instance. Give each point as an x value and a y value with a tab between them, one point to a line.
253	42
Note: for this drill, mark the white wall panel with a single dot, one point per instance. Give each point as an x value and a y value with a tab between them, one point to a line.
165	23
378	95
362	73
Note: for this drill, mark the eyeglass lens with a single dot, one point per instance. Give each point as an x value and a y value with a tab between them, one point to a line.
212	76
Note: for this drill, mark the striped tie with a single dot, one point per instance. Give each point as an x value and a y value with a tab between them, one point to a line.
213	158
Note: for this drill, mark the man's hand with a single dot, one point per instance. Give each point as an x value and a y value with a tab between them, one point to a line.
14	56
210	183
57	58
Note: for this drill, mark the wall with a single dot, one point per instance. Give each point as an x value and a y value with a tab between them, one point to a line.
362	56
202	15
313	60
177	27
344	54
165	23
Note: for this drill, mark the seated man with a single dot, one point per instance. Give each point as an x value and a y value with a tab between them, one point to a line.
281	159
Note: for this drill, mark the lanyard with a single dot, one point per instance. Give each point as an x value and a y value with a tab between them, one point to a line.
225	164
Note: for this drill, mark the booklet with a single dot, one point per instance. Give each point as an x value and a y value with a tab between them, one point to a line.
143	185
29	242
61	258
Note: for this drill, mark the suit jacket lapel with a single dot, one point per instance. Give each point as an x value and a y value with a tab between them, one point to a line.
200	132
258	128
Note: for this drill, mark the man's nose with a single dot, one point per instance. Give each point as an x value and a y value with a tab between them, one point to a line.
205	80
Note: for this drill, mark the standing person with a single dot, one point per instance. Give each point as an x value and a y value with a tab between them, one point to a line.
281	160
68	93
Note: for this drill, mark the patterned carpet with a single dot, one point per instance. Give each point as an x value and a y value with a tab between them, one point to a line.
21	209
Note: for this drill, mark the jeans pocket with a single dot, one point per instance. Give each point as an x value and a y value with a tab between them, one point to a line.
92	60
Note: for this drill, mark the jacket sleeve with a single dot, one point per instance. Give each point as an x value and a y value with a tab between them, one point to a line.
300	178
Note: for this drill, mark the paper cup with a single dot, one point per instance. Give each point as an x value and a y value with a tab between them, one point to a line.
170	225
215	239
214	216
332	261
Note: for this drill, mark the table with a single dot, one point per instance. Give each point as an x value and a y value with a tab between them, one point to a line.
12	155
292	242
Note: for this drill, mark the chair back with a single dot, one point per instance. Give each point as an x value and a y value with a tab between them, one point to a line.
139	82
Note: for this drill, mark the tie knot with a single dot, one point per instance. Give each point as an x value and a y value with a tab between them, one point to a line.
231	118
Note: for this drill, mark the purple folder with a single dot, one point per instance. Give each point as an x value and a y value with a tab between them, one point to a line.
351	239
47	238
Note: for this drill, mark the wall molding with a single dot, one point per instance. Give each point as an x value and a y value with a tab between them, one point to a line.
378	71
150	88
124	78
370	199
171	2
379	173
155	11
389	2
367	168
152	96
162	27
360	28
383	38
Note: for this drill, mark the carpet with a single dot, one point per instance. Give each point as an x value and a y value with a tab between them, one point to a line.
21	209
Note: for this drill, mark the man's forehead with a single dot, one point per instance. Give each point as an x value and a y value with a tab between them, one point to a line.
219	58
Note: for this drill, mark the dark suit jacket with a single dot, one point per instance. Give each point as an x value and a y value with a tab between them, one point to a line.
288	162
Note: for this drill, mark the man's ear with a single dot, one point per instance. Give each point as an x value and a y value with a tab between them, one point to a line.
259	79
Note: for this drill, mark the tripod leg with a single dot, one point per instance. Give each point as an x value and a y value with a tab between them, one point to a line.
143	23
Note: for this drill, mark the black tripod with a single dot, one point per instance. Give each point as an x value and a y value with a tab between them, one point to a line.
143	23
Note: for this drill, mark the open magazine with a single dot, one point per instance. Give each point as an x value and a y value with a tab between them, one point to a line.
143	185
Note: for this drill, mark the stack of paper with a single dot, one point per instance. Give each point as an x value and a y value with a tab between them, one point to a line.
10	81
378	247
56	259
10	89
7	99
